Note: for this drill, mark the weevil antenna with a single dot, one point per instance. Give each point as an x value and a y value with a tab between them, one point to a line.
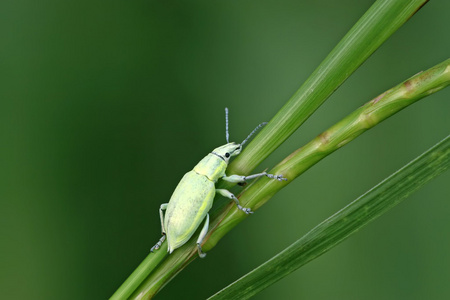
227	135
254	130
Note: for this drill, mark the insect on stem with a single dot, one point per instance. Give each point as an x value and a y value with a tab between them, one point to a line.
193	197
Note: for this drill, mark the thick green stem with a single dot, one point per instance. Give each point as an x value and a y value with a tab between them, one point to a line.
345	222
362	119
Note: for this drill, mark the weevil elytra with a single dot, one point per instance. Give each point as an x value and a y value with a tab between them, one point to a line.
194	195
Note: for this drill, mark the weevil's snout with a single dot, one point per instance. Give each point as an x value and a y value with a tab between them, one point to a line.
237	150
227	151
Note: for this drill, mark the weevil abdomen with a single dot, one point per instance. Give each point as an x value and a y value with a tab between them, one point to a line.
188	206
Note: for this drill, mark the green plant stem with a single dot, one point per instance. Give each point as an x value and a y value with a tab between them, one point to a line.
382	19
367	116
140	273
345	222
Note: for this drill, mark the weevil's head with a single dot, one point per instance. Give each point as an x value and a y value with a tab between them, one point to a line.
227	151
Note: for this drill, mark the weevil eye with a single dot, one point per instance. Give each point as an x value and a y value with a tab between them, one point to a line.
227	155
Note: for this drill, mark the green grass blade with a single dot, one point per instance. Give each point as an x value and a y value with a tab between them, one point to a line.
382	19
345	222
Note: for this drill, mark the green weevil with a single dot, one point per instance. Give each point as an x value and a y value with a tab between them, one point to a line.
194	195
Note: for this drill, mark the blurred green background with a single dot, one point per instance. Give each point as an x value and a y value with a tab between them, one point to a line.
105	105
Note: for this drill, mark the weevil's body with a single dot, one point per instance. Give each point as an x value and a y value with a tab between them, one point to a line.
194	195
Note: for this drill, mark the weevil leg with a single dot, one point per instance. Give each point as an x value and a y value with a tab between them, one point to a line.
228	194
201	237
240	178
158	244
161	217
163	231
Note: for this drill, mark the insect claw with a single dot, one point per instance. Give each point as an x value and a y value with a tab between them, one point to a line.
159	243
200	252
281	178
247	211
277	177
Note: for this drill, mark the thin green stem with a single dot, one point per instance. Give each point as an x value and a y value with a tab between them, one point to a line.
345	222
140	273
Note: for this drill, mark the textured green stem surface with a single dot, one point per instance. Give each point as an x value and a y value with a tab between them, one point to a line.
345	222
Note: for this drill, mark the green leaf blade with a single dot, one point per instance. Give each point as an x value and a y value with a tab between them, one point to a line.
344	223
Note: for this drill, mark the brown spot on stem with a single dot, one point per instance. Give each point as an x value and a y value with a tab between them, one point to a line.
374	101
324	137
408	85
